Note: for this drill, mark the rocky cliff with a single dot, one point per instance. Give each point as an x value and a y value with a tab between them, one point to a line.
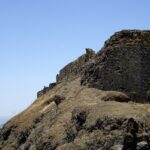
99	102
123	65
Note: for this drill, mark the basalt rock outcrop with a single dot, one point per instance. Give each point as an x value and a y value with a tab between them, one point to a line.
123	65
76	68
46	89
72	70
93	104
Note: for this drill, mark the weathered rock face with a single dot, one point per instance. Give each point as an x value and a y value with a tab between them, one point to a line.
72	70
123	64
89	107
46	89
76	68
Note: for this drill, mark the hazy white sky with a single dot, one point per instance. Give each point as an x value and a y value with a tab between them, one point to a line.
38	37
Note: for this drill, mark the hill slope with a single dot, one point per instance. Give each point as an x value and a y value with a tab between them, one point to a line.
93	105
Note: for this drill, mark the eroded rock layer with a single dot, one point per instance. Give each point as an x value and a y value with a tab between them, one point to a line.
93	104
123	64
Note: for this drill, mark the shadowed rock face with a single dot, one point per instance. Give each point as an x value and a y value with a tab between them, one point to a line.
76	68
72	70
122	65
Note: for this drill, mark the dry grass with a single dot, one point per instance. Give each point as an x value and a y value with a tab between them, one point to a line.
77	96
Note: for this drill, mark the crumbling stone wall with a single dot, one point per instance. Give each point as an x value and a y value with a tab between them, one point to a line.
46	89
71	71
77	67
123	64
